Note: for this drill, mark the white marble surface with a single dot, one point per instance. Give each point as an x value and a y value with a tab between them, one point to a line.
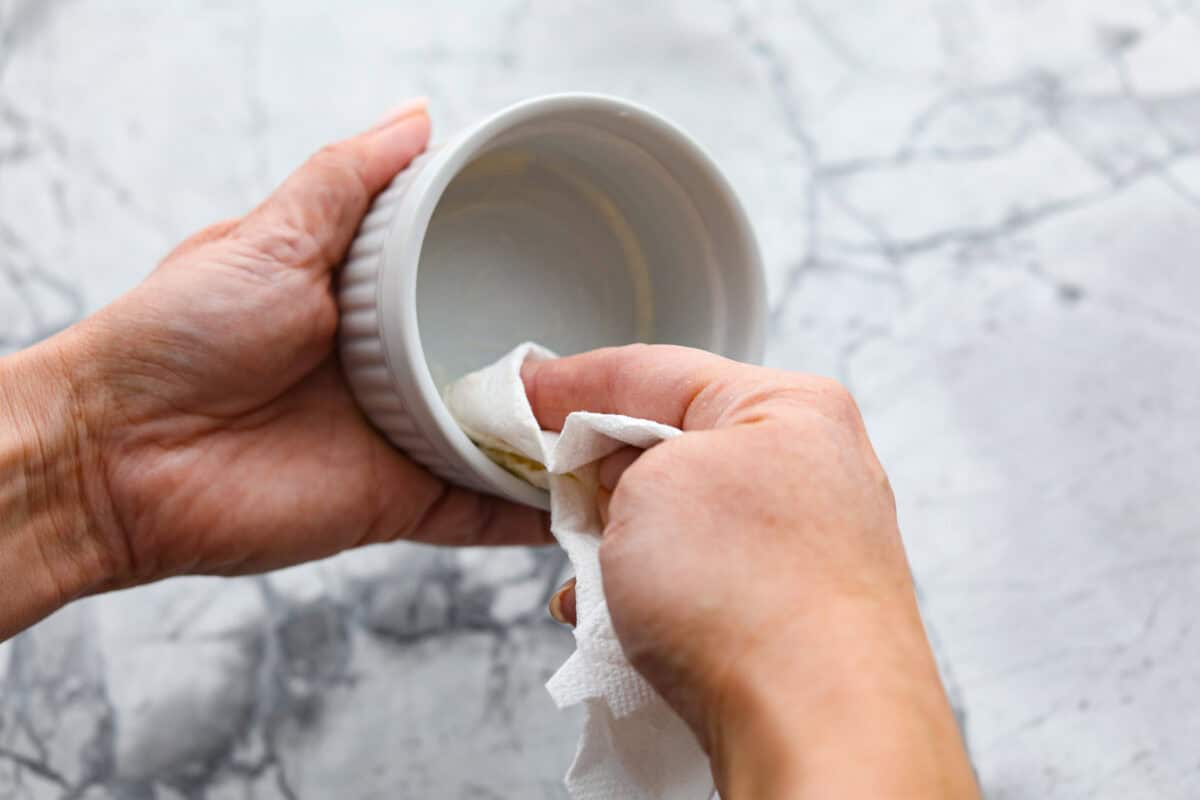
983	215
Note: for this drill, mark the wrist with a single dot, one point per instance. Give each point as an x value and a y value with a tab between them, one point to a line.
51	546
854	710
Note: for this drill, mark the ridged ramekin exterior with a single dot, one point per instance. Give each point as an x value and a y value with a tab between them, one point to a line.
379	339
364	356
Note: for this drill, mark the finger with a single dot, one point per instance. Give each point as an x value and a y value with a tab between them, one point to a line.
398	498
203	236
562	604
660	382
464	518
414	504
603	501
310	220
613	466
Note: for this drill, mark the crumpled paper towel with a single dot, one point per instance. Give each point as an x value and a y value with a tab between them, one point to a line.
633	746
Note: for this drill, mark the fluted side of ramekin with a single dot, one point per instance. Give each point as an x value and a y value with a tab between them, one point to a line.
364	355
380	341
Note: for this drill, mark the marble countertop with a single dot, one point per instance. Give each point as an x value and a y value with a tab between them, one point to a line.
982	215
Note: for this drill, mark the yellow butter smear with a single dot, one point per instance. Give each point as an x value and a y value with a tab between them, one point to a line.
517	464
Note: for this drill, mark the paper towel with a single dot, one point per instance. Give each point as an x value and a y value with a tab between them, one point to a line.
633	746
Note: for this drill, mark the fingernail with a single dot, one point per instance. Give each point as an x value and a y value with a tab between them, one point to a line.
559	602
406	109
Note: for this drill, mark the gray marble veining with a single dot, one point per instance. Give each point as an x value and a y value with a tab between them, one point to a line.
982	215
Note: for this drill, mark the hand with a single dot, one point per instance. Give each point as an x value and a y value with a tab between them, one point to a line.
755	575
201	423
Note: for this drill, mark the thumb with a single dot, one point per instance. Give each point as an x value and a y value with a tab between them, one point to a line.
310	220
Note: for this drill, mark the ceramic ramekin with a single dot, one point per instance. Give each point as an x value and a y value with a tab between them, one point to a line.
575	220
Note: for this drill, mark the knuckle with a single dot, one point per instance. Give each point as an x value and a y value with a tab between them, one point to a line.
835	400
631	361
640	355
644	483
663	476
830	390
335	155
653	468
340	161
636	350
338	178
288	245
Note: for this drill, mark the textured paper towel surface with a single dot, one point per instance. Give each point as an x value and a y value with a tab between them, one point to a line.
633	745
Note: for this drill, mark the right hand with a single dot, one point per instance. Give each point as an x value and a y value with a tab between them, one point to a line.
756	576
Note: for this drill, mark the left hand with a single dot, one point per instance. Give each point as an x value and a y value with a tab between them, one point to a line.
210	429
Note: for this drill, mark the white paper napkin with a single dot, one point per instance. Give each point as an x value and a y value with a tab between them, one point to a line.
633	745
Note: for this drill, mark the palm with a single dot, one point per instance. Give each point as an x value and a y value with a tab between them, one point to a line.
241	448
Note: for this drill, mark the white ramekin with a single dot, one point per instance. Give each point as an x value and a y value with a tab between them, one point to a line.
576	220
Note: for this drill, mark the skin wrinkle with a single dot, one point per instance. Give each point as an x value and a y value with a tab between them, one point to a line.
49	565
239	254
77	438
261	415
350	205
417	522
728	410
33	497
204	426
132	565
276	247
375	524
130	362
487	523
691	401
